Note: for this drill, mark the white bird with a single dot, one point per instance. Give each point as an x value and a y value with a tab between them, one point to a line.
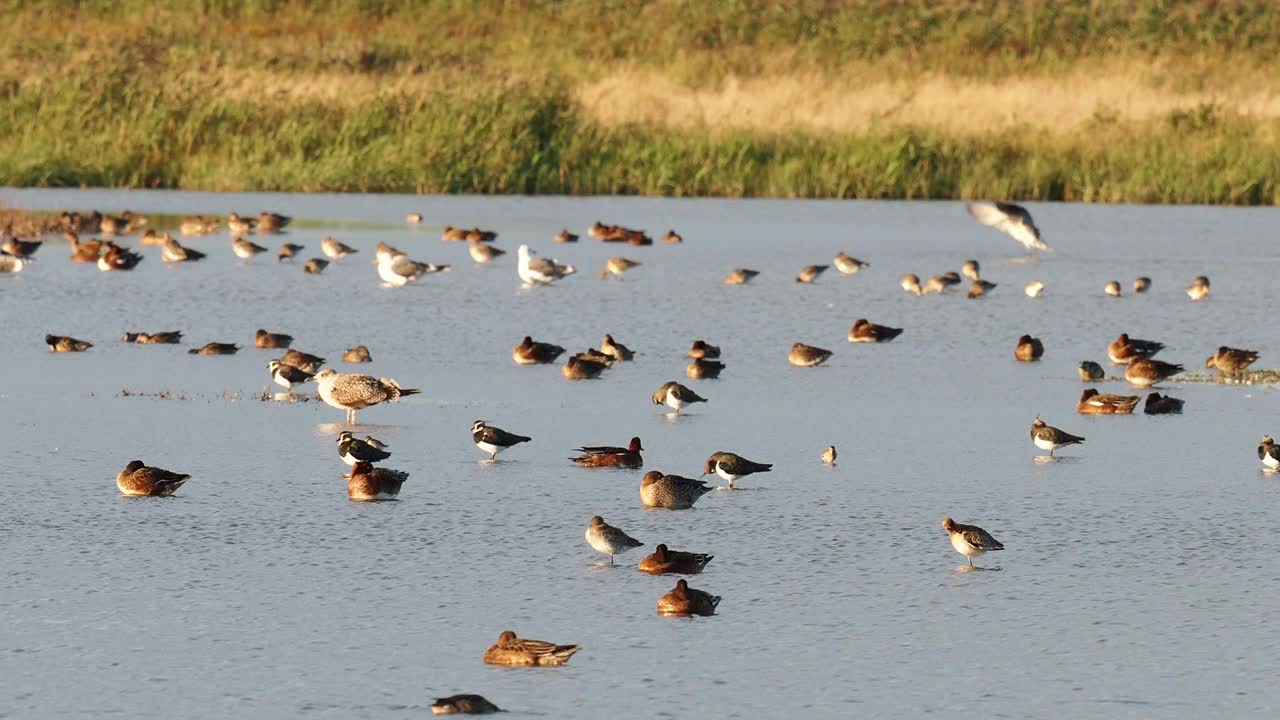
1011	219
352	392
10	263
534	270
399	270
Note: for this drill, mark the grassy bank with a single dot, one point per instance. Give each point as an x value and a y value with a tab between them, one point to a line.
1120	101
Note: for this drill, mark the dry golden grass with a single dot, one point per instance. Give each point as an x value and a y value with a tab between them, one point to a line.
862	99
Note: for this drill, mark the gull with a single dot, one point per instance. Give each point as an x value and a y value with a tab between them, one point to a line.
1011	219
534	270
351	392
399	270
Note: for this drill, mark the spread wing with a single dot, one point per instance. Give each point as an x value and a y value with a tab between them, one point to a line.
1011	219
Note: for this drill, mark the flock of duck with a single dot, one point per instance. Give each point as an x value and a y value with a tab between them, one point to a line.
351	392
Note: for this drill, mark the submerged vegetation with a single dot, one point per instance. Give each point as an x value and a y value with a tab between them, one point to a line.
1133	100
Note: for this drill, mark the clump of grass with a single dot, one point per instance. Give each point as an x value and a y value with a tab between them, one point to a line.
163	394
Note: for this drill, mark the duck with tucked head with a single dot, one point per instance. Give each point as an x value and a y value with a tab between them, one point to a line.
672	492
1028	349
531	352
367	483
1145	373
1125	349
463	705
517	652
701	349
1158	404
699	369
1094	403
137	480
1090	371
684	601
864	331
664	561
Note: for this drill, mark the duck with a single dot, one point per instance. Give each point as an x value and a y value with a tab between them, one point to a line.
1268	453
1145	373
118	258
1125	349
173	252
271	223
971	270
731	467
978	288
616	266
332	248
1141	284
264	339
676	396
1011	219
482	253
829	455
477	235
684	601
511	650
287	251
672	238
414	218
1033	289
367	483
672	492
195	225
1094	403
740	276
1028	349
664	561
83	252
351	392
702	350
137	479
615	349
608	456
1158	404
1047	437
1090	371
463	704
593	355
237	225
1112	288
910	282
357	354
809	273
531	352
802	355
940	283
399	270
864	331
66	343
453	234
168	337
19	248
302	361
353	450
534	270
848	265
244	249
564	236
215	348
609	540
580	368
599	230
494	440
314	266
699	369
1231	361
1199	288
970	540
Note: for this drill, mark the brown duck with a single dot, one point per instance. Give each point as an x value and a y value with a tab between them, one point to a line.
357	354
511	650
802	355
264	339
367	482
137	479
581	368
215	348
809	273
702	349
615	349
1231	361
608	456
740	276
529	352
1145	373
672	492
664	561
1125	349
66	343
864	331
700	369
1094	403
684	601
1028	349
170	337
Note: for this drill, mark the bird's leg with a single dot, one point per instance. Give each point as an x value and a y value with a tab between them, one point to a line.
970	560
1050	452
611	561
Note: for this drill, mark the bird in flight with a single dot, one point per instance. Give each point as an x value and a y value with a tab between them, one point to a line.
1011	219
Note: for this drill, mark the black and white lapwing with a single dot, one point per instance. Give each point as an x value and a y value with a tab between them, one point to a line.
494	440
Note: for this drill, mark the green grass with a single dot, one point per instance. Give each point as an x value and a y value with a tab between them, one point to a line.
133	94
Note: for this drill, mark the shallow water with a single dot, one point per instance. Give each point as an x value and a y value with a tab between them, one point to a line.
1139	578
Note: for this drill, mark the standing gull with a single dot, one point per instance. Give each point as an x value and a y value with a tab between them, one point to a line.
352	392
399	270
1011	219
534	270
